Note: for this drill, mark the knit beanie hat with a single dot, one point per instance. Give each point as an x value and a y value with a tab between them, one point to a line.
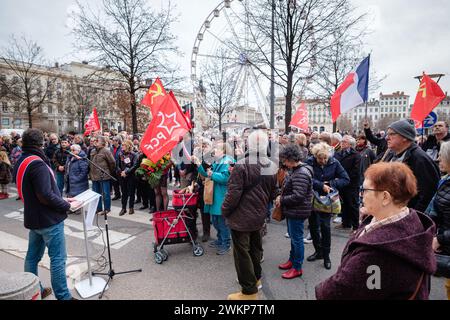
405	128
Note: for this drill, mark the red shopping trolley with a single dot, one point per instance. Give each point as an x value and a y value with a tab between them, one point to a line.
170	226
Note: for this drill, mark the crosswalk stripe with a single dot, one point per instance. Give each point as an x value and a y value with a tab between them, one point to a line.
116	239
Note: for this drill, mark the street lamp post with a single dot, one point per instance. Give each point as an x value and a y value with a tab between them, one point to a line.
272	71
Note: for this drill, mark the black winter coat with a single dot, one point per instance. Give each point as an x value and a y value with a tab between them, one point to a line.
426	172
442	215
380	143
332	172
351	161
296	198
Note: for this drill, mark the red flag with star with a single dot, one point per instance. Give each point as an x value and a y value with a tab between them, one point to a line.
300	118
154	97
188	122
93	124
165	130
427	98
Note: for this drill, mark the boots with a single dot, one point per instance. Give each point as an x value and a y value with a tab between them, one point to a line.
316	256
241	296
131	211
285	266
292	273
122	212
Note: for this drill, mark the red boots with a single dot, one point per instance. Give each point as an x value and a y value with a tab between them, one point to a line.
291	273
285	266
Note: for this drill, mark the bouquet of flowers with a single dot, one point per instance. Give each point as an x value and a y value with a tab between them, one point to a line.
152	172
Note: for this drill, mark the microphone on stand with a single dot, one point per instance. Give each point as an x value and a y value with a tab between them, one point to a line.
74	155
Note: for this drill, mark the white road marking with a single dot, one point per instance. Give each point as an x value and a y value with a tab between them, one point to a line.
116	239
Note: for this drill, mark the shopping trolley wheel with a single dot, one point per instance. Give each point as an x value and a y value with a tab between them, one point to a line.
159	258
165	254
198	251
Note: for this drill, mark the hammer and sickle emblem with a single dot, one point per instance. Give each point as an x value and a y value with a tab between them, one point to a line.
423	89
156	93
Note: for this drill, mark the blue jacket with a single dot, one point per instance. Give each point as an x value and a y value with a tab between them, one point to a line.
333	172
43	204
220	176
77	172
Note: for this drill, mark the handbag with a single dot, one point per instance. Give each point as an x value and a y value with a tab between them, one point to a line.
277	214
330	203
443	266
208	191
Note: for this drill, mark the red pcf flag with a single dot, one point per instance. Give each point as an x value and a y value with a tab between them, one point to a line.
165	130
188	121
92	124
428	97
300	118
154	97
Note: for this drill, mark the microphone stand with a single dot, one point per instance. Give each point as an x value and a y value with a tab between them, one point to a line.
111	273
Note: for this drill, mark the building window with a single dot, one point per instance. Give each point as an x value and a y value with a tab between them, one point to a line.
50	94
59	123
60	110
376	109
4	107
5	122
50	109
18	122
39	109
17	108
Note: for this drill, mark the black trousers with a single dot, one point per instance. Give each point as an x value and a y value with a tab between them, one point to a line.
146	193
247	252
116	185
191	222
206	217
350	208
319	226
128	186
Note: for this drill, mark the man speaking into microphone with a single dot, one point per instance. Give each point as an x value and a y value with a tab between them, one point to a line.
44	212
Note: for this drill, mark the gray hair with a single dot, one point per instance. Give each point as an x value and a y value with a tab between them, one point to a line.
102	140
258	141
76	147
351	140
444	153
337	136
321	149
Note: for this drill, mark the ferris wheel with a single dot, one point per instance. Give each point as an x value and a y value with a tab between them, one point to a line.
223	49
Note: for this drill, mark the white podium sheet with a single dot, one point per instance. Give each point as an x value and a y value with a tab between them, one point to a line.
89	200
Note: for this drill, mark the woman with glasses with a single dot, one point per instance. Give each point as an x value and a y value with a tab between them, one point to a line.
390	255
77	172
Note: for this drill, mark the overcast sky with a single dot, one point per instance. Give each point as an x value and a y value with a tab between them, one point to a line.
409	36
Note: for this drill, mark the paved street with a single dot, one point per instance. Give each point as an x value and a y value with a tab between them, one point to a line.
182	276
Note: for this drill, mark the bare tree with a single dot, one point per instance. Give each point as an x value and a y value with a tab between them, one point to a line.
81	96
129	38
345	124
221	86
32	78
303	31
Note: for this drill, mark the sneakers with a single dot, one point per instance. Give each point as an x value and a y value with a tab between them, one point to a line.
223	251
287	235
241	296
337	220
213	244
308	239
292	273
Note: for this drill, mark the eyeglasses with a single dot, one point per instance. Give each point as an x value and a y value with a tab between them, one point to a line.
362	190
391	134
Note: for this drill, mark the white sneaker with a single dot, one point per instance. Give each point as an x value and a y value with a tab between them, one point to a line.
287	235
337	220
307	241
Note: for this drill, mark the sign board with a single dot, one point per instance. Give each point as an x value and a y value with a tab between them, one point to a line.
430	120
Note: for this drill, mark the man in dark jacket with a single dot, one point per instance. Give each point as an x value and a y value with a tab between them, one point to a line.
59	162
116	149
53	145
44	212
433	144
400	137
350	159
251	186
380	143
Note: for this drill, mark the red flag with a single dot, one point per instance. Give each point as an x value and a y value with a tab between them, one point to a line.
92	124
154	96
300	118
427	98
188	122
165	130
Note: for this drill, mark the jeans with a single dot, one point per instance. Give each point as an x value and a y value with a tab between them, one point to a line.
295	230
223	232
247	252
319	225
53	239
105	185
60	181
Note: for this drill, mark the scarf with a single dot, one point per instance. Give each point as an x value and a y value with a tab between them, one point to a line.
36	151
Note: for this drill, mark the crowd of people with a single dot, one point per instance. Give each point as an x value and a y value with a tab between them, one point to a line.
393	189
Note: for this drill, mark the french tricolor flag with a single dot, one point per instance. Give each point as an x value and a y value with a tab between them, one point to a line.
353	91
